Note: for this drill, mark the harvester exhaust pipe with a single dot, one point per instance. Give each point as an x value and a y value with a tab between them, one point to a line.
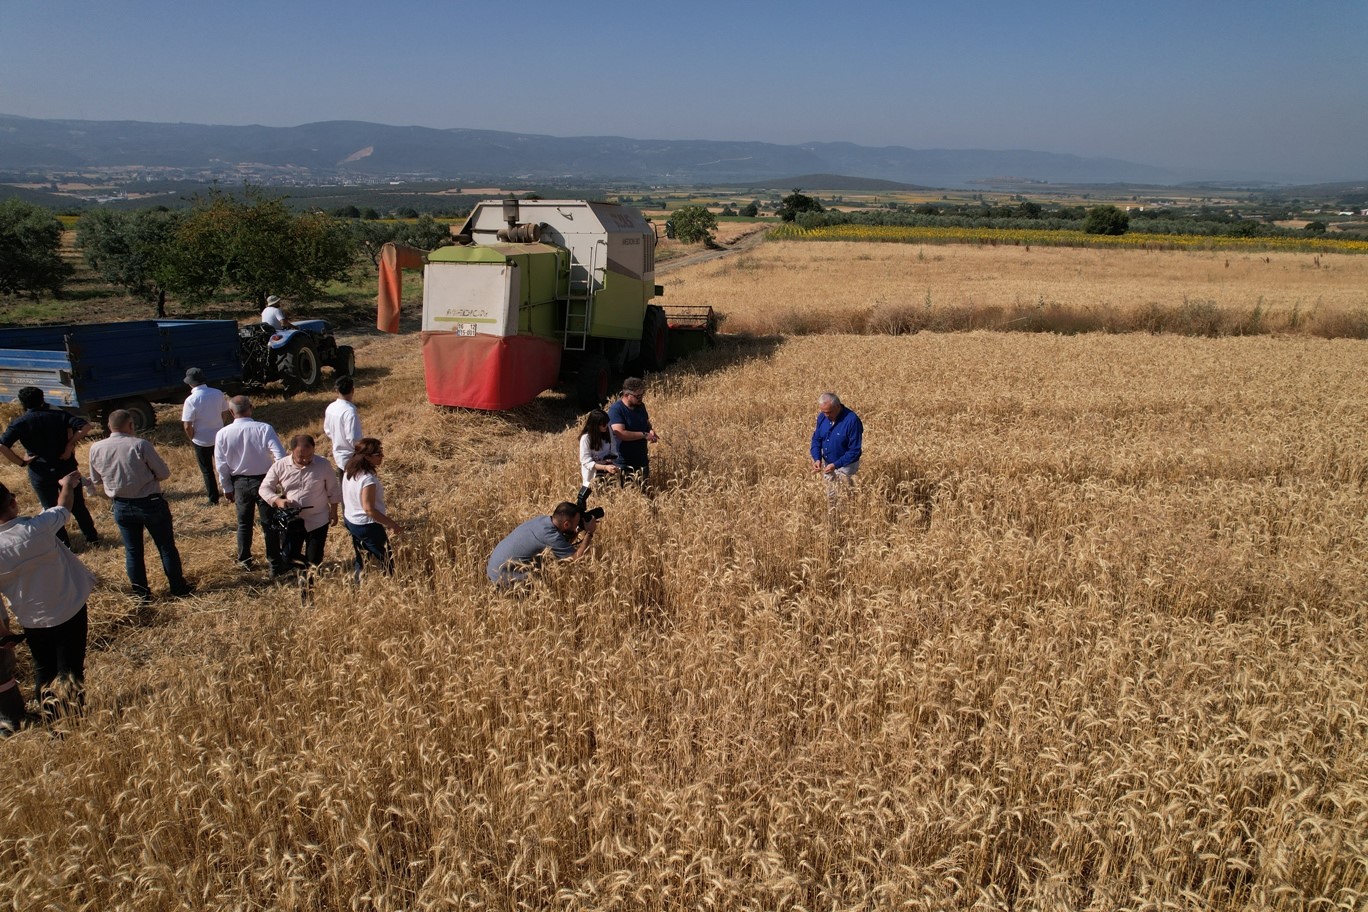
510	211
520	234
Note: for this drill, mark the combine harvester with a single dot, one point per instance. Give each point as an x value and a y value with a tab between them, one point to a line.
537	290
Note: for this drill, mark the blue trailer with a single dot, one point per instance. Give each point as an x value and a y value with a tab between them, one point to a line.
95	368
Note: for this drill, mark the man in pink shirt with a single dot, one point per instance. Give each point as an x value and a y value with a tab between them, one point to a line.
309	486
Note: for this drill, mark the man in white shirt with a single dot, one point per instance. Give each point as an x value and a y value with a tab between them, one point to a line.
274	314
46	587
132	471
244	451
202	415
342	423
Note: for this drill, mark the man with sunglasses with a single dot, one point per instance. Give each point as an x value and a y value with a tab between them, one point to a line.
631	426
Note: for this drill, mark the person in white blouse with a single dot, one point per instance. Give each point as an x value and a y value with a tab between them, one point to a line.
363	507
597	453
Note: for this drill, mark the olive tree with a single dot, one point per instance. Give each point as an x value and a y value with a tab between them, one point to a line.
692	225
255	246
30	250
130	249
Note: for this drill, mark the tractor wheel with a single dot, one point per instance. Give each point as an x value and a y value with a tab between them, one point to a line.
344	365
298	366
144	415
593	382
655	339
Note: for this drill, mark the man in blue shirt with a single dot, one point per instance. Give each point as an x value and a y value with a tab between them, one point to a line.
631	427
49	436
837	441
521	551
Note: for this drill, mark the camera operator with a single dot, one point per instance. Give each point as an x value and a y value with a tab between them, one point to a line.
521	551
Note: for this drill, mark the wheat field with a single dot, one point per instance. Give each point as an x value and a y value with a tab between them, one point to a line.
1088	634
785	287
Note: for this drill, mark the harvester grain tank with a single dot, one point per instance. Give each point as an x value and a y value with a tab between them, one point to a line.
535	290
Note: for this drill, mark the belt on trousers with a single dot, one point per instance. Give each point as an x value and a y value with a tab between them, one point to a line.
137	499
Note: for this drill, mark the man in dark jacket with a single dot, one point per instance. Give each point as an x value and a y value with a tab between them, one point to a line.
49	437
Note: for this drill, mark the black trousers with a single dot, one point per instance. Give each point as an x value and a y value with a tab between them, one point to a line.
247	502
204	455
47	487
304	549
59	664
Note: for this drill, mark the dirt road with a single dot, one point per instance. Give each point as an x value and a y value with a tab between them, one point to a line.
743	243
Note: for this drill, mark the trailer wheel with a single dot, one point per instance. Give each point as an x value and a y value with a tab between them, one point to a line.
298	366
655	339
144	415
593	382
344	365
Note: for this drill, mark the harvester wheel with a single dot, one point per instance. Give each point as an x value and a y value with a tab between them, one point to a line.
655	339
593	382
299	364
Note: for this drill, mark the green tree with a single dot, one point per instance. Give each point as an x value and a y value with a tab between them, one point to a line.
796	202
693	224
130	249
426	233
1106	220
255	246
347	212
751	209
30	250
1315	227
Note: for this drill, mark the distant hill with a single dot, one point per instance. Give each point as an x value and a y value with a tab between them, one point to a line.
825	182
334	150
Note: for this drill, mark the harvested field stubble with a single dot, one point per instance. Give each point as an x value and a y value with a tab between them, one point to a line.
1089	634
808	287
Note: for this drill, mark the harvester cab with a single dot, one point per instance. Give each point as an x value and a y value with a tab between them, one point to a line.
536	290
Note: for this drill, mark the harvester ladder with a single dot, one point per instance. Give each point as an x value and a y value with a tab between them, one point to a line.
585	280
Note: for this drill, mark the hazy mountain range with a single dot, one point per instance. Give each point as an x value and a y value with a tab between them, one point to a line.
334	149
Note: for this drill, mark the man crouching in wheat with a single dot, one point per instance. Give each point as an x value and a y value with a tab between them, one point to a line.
836	443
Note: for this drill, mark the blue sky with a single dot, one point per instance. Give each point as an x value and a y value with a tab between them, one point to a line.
1249	88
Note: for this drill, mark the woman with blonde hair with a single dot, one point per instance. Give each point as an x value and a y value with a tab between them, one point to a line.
363	506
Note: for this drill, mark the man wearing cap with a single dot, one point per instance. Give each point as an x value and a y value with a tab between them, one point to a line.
202	416
274	314
837	442
244	451
342	423
49	437
521	551
132	471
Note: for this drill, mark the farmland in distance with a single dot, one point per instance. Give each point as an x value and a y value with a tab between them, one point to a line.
1089	633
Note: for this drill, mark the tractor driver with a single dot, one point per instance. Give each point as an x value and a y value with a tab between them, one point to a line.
274	314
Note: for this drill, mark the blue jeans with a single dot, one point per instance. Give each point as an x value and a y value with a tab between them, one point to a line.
370	539
152	514
303	548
